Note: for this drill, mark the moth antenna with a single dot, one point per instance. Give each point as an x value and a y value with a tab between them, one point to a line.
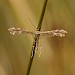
31	22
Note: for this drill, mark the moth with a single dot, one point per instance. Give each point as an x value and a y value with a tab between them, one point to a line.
57	32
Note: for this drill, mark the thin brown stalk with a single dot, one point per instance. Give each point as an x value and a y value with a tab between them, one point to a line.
36	38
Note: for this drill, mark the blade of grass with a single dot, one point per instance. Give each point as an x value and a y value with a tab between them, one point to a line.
36	38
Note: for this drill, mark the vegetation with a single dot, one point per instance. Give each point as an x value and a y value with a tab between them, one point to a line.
57	53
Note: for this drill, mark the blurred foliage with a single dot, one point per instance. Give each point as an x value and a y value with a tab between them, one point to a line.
57	54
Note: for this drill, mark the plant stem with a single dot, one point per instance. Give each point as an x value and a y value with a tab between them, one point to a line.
36	38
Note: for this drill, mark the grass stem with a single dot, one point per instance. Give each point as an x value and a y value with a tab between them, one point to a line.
36	38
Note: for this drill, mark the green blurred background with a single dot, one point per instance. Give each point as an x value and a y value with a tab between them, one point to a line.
57	54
